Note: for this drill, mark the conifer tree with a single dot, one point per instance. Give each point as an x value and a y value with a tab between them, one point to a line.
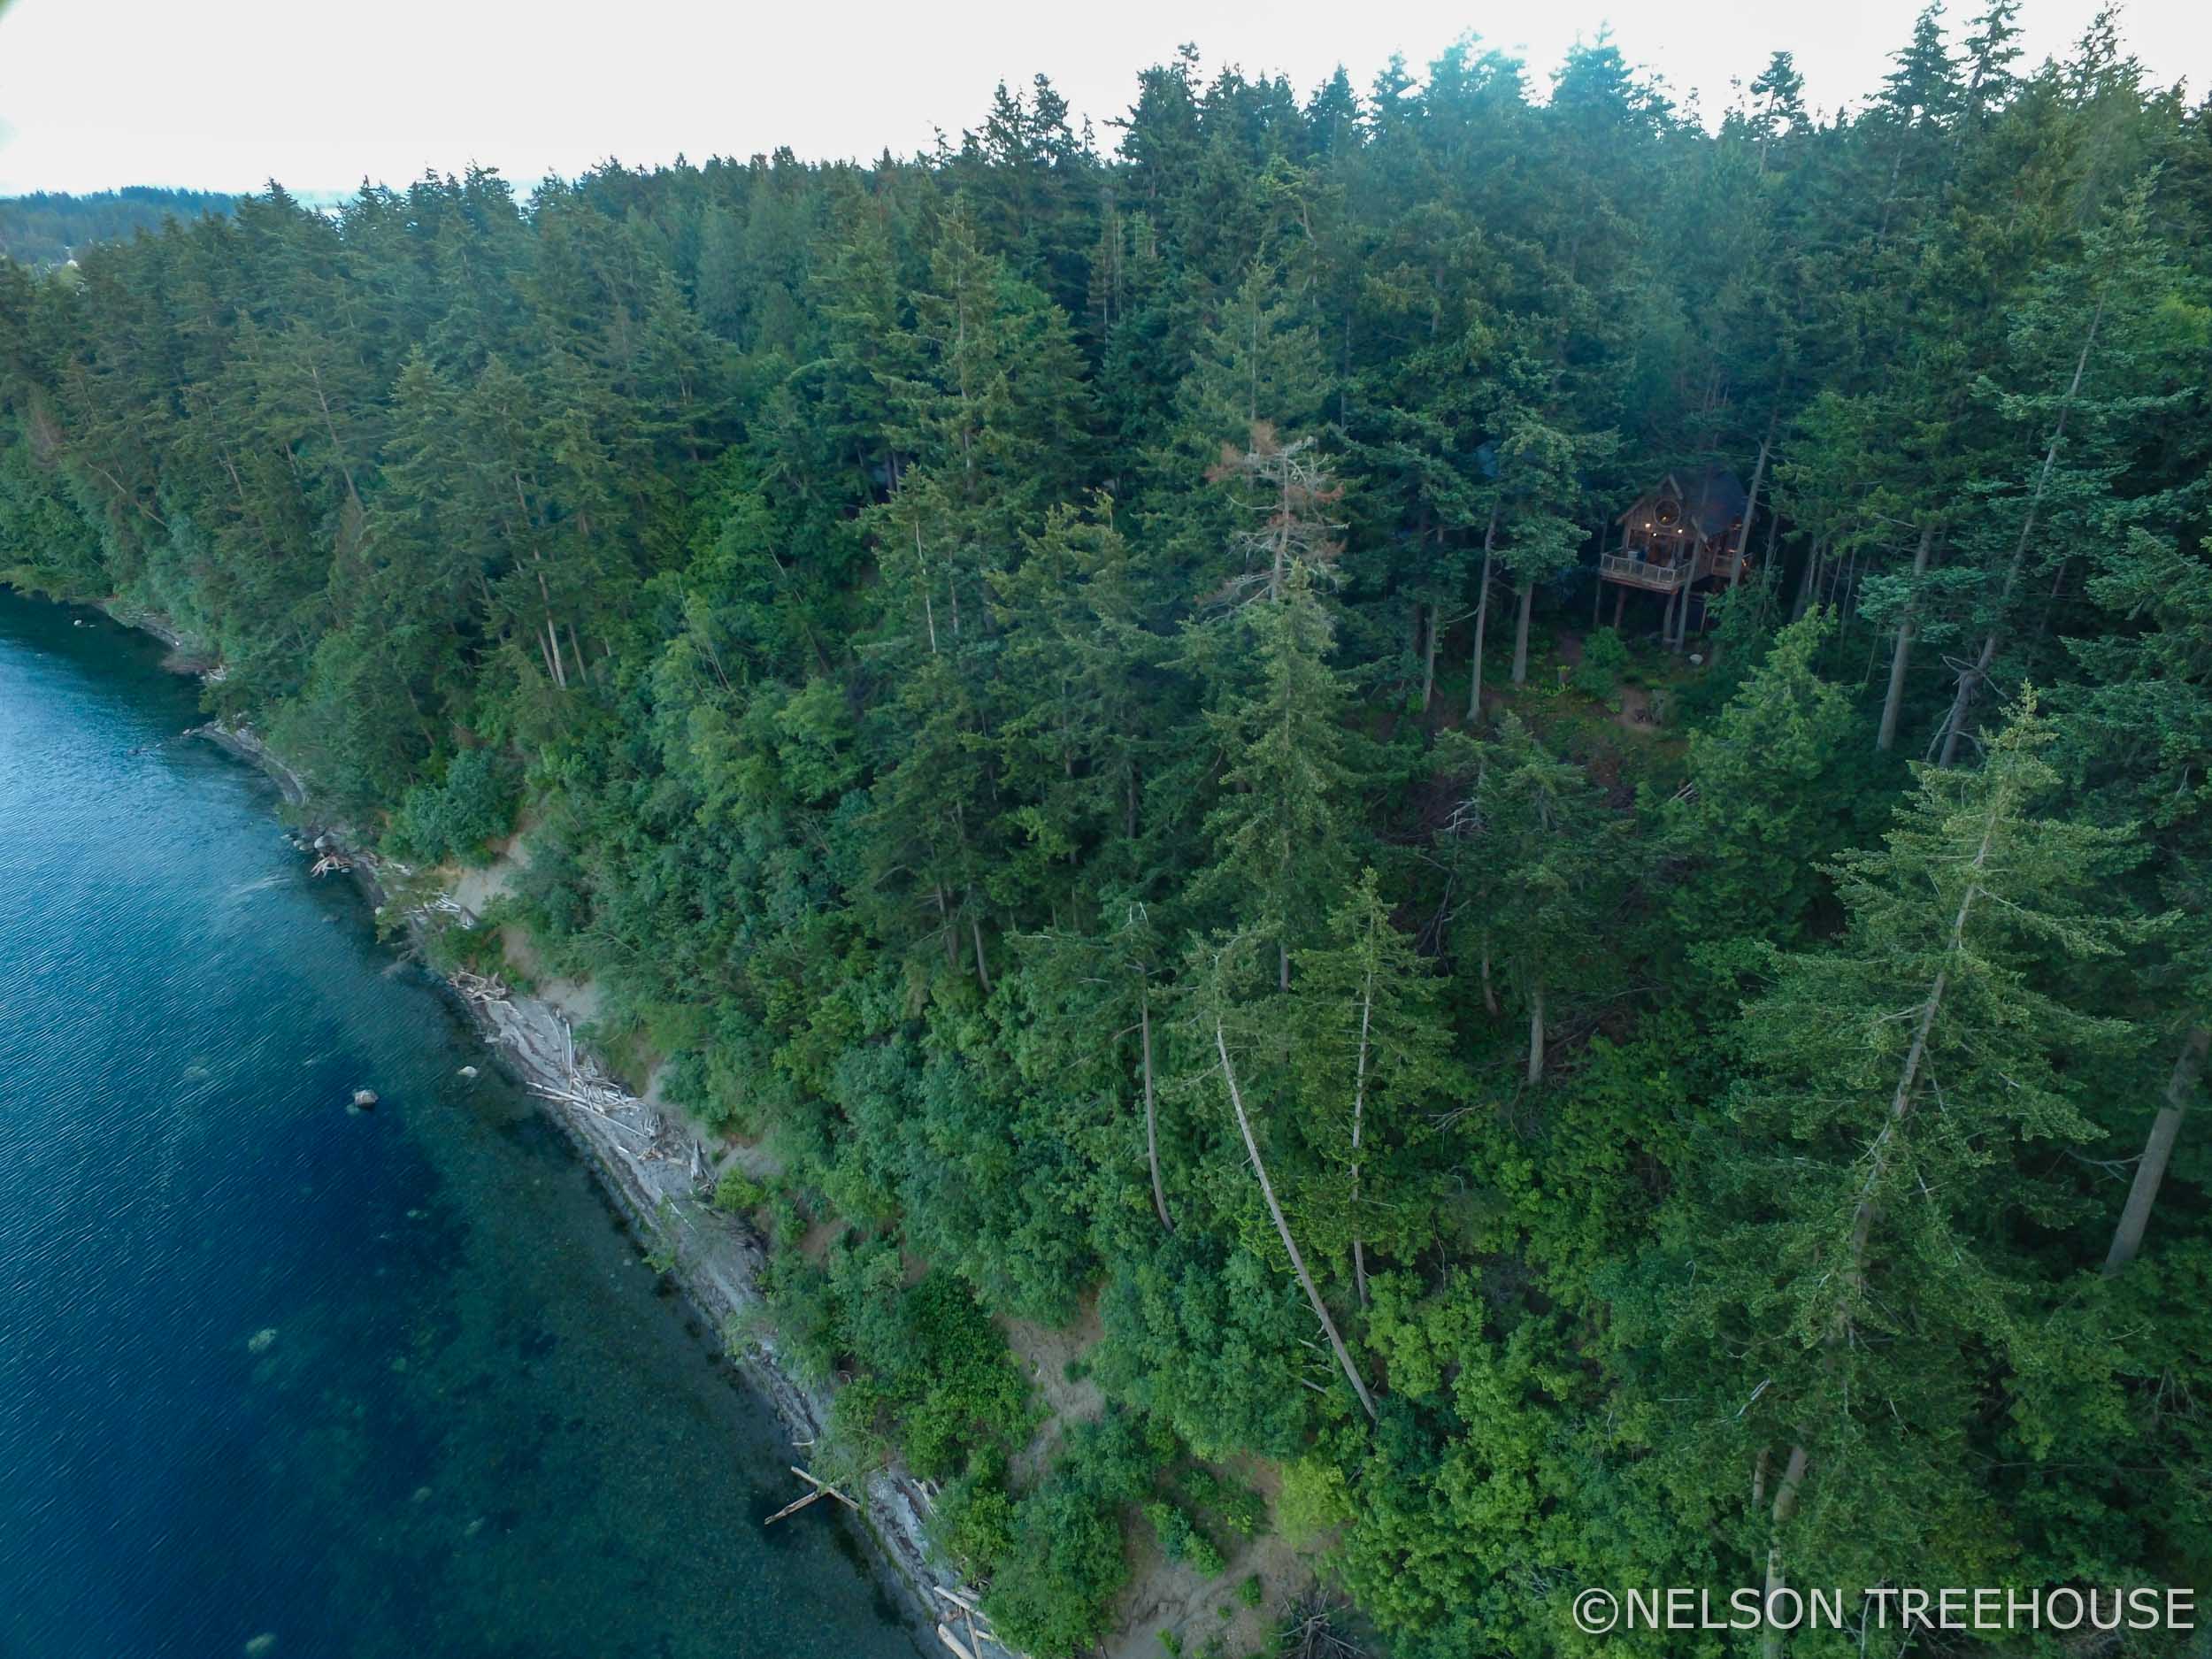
2139	738
1372	1051
1278	829
1765	806
1538	855
1901	1084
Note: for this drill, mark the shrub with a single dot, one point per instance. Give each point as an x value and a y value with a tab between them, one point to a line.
455	818
737	1193
1604	654
1054	1593
1181	1539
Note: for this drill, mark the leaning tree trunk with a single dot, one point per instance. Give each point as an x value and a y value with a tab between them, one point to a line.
1750	511
1785	1506
1883	1149
1282	1229
1901	657
1751	507
2127	1238
1482	618
1955	722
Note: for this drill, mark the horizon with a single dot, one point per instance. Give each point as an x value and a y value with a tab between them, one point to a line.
557	111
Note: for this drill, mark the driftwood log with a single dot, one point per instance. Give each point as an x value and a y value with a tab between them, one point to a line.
822	1489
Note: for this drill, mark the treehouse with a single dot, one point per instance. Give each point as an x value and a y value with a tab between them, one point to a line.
1678	533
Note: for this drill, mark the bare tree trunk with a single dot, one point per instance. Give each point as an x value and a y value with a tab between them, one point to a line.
331	427
1807	582
1785	1506
1151	1115
1482	617
1282	1229
1751	507
1768	585
1901	657
1489	992
1428	665
982	967
929	613
1535	1030
2150	1169
1520	630
1750	512
1359	1111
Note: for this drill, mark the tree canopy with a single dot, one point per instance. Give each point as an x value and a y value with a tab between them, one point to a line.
1065	694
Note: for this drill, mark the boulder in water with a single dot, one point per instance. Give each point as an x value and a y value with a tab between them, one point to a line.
468	1071
365	1098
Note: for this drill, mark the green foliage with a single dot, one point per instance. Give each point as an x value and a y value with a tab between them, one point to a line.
1604	654
1912	1079
460	815
1181	1539
970	638
1052	1593
932	1376
45	227
737	1193
1314	1501
1776	783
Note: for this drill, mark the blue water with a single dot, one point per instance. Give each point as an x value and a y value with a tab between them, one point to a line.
277	1377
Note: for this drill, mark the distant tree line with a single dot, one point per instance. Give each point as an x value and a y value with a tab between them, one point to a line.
43	229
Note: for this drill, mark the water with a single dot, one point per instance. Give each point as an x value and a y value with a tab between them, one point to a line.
277	1377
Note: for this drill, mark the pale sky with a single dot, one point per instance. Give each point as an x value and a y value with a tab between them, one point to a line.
224	94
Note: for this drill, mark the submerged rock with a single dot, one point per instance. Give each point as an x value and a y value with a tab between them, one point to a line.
261	1644
258	1342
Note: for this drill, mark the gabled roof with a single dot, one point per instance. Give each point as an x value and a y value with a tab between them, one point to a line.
1711	500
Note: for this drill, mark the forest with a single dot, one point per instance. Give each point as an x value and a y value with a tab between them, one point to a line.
1096	699
43	229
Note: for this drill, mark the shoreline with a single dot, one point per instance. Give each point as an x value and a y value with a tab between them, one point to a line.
640	1161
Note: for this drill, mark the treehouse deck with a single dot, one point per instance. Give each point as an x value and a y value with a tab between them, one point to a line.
1676	534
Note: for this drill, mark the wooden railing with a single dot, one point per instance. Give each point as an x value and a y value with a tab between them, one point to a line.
1619	567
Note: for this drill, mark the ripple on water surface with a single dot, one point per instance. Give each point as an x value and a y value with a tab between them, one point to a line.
279	1378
